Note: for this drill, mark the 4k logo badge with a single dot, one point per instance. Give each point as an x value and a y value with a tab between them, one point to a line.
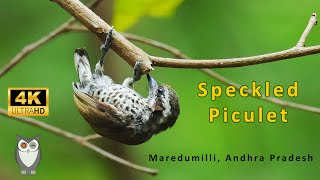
28	101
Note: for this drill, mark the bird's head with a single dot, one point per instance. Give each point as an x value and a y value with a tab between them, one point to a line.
164	103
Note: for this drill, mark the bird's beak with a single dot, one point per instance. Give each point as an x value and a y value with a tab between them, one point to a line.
28	150
152	83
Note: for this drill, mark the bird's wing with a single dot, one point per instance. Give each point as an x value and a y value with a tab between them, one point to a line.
98	113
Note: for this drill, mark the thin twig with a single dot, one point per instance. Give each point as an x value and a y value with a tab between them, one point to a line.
79	139
132	53
35	45
312	22
91	137
177	53
174	51
77	28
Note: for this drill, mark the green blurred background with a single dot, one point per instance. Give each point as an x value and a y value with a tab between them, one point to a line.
201	29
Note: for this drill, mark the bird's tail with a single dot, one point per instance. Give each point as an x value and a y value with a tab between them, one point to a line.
81	62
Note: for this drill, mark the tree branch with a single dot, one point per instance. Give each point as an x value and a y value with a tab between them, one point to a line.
311	24
235	62
83	141
131	53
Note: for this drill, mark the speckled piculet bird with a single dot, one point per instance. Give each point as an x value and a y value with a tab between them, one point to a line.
117	111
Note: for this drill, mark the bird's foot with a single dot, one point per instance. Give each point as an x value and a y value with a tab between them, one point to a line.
137	71
106	45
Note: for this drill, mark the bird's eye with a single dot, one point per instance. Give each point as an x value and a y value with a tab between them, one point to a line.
23	145
160	90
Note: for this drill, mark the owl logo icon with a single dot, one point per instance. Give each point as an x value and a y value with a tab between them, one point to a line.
28	154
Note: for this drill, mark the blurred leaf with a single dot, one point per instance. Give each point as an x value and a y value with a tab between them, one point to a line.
127	13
